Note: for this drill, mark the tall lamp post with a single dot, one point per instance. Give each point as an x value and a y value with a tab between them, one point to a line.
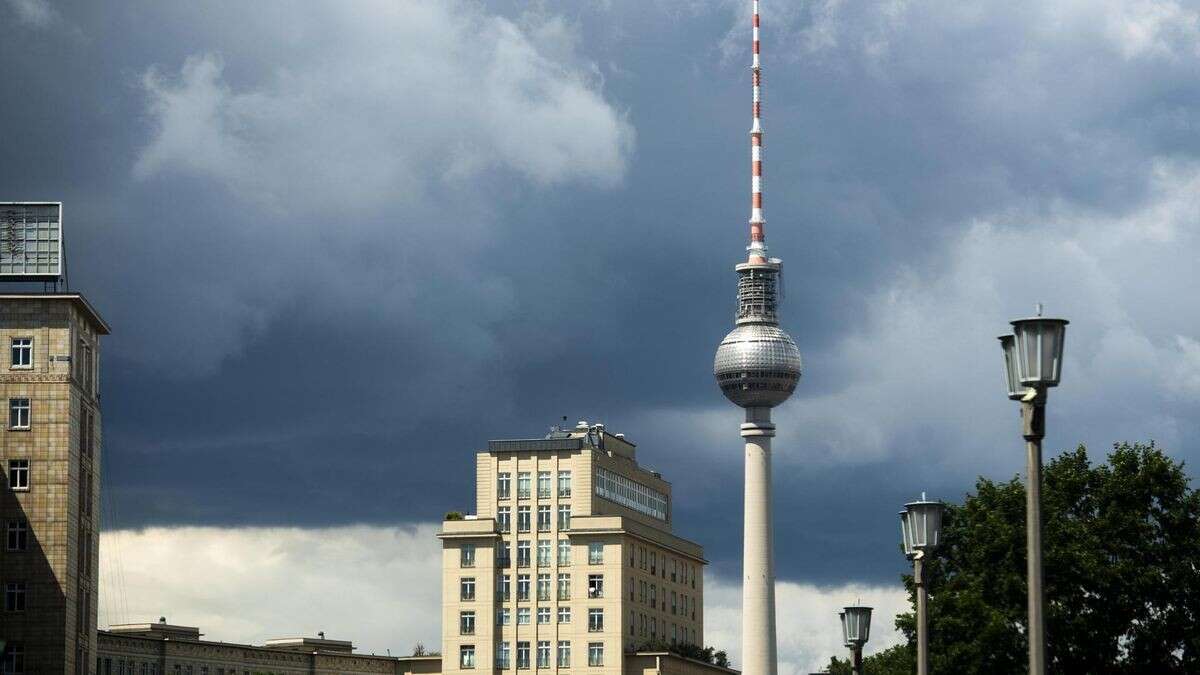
920	530
1033	364
856	629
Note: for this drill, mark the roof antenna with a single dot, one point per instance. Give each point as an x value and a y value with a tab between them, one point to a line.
758	245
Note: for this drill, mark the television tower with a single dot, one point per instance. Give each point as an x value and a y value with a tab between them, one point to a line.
757	367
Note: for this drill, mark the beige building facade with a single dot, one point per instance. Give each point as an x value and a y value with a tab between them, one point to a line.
568	564
49	503
166	649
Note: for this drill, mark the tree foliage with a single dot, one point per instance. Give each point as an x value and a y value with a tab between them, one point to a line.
686	650
1121	559
897	660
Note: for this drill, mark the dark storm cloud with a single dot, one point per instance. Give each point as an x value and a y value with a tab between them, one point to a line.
340	254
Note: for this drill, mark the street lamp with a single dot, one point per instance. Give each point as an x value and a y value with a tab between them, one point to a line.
1033	364
856	630
921	531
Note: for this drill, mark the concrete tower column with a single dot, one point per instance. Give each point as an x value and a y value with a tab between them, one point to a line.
758	564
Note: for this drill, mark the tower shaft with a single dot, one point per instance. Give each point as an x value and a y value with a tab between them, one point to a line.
758	564
758	245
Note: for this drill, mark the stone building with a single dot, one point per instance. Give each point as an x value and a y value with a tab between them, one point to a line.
166	649
50	457
568	563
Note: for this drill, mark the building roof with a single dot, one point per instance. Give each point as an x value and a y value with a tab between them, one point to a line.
77	299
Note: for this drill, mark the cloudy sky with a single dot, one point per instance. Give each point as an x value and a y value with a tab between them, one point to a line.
344	244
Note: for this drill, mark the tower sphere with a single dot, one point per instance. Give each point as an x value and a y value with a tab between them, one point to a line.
757	365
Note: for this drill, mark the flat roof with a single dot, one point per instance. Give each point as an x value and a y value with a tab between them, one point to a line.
80	302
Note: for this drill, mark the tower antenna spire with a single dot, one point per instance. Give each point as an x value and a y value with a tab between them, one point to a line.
758	244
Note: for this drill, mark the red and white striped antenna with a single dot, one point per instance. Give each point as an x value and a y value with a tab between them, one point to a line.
758	244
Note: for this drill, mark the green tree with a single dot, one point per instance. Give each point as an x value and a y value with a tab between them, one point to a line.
897	660
1121	566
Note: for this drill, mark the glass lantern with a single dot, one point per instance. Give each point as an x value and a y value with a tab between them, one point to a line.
1016	390
856	625
905	539
1039	350
922	526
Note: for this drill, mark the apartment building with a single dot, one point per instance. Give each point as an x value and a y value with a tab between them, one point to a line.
49	502
568	564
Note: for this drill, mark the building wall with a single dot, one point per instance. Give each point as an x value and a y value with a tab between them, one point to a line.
59	568
136	655
621	531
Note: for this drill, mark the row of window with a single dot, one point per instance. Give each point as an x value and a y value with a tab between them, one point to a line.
466	655
109	666
646	593
640	624
645	559
466	553
466	618
524	484
21	357
630	494
525	518
595	587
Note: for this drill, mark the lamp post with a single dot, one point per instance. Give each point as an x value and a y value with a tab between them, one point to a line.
921	530
1033	364
856	629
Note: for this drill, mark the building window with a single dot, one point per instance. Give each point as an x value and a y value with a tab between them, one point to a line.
523	655
18	474
22	352
14	596
564	654
504	518
522	519
466	657
504	590
522	587
543	485
673	563
466	555
564	483
18	535
522	554
653	562
543	552
564	615
653	627
564	517
674	633
543	615
595	653
543	654
543	587
523	484
564	586
503	485
674	606
503	616
632	589
466	588
18	413
466	623
522	616
595	620
564	552
14	659
653	596
631	494
595	553
595	585
544	518
502	655
502	554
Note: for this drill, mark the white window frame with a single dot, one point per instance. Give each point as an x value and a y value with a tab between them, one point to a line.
545	518
503	485
564	654
466	555
466	657
523	650
564	560
523	616
543	615
595	586
524	483
18	407
544	485
466	622
17	536
543	553
595	619
564	614
596	654
564	483
21	355
504	518
543	654
503	654
18	474
16	593
595	553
